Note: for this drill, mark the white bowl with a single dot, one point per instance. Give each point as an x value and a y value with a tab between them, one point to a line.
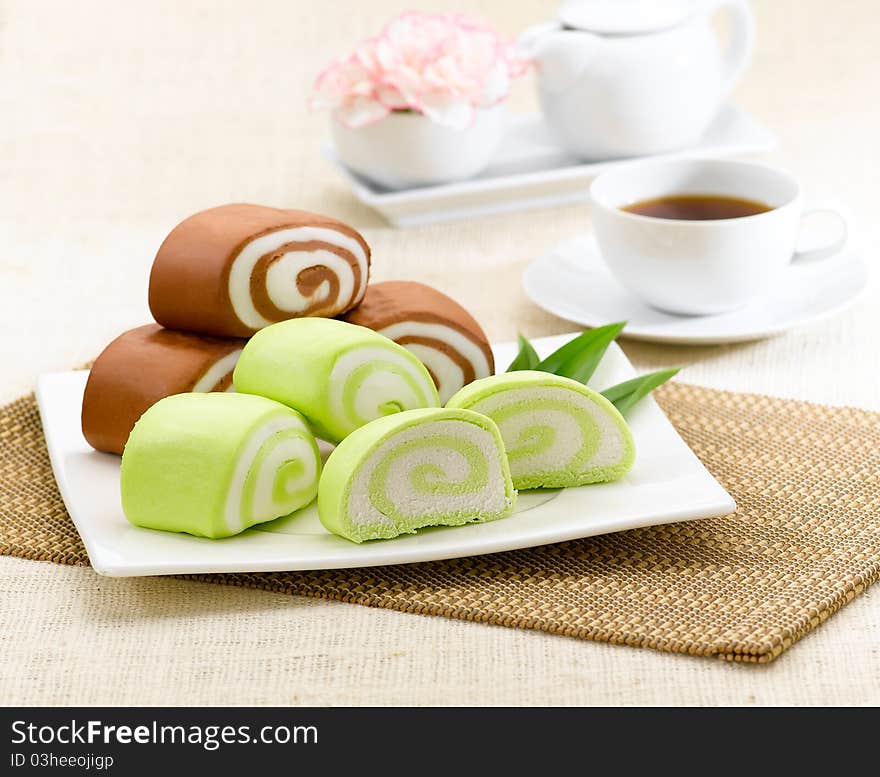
408	149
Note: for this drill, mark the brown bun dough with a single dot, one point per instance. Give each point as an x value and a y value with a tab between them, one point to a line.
139	368
391	305
190	283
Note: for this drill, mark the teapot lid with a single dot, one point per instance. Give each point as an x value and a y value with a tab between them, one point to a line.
625	17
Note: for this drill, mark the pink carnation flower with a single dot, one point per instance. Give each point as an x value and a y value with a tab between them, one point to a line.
445	66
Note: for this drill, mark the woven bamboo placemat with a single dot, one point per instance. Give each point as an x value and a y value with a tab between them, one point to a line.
804	541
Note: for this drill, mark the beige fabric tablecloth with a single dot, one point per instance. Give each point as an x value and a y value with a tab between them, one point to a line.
120	118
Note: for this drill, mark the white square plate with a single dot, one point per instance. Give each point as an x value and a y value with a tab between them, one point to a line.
666	484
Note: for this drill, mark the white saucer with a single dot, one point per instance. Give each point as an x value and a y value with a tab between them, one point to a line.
530	170
573	283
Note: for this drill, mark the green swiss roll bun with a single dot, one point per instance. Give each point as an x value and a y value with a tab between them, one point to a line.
414	469
557	432
338	375
214	464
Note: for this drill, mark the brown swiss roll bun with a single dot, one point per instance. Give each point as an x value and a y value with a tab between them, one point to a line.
434	327
234	269
144	365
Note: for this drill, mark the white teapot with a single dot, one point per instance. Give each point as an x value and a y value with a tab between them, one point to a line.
621	78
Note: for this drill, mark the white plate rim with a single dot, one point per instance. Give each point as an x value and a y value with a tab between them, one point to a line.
714	502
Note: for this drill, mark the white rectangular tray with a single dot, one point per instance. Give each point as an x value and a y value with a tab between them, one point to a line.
666	484
529	170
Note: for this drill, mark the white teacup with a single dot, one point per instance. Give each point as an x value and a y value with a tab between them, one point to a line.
701	267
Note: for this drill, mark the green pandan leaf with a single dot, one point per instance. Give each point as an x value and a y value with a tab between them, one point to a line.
578	358
624	396
526	359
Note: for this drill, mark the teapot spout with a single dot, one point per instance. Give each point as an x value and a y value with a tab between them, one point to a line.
560	55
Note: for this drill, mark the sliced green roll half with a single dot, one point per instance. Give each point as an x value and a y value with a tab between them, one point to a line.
338	375
414	469
214	464
557	432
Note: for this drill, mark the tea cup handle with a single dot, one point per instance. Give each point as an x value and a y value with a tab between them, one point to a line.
742	40
832	246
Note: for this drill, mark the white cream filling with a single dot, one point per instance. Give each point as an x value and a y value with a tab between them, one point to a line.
568	440
398	488
283	292
217	371
449	375
265	478
379	387
293	449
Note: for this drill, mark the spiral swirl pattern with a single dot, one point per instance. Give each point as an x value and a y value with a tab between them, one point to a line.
276	473
446	472
218	377
298	271
452	358
554	435
368	382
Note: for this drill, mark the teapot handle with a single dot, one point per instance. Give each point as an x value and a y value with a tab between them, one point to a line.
742	40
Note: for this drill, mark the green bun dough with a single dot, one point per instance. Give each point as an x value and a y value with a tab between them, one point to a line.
557	432
338	375
414	469
214	464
